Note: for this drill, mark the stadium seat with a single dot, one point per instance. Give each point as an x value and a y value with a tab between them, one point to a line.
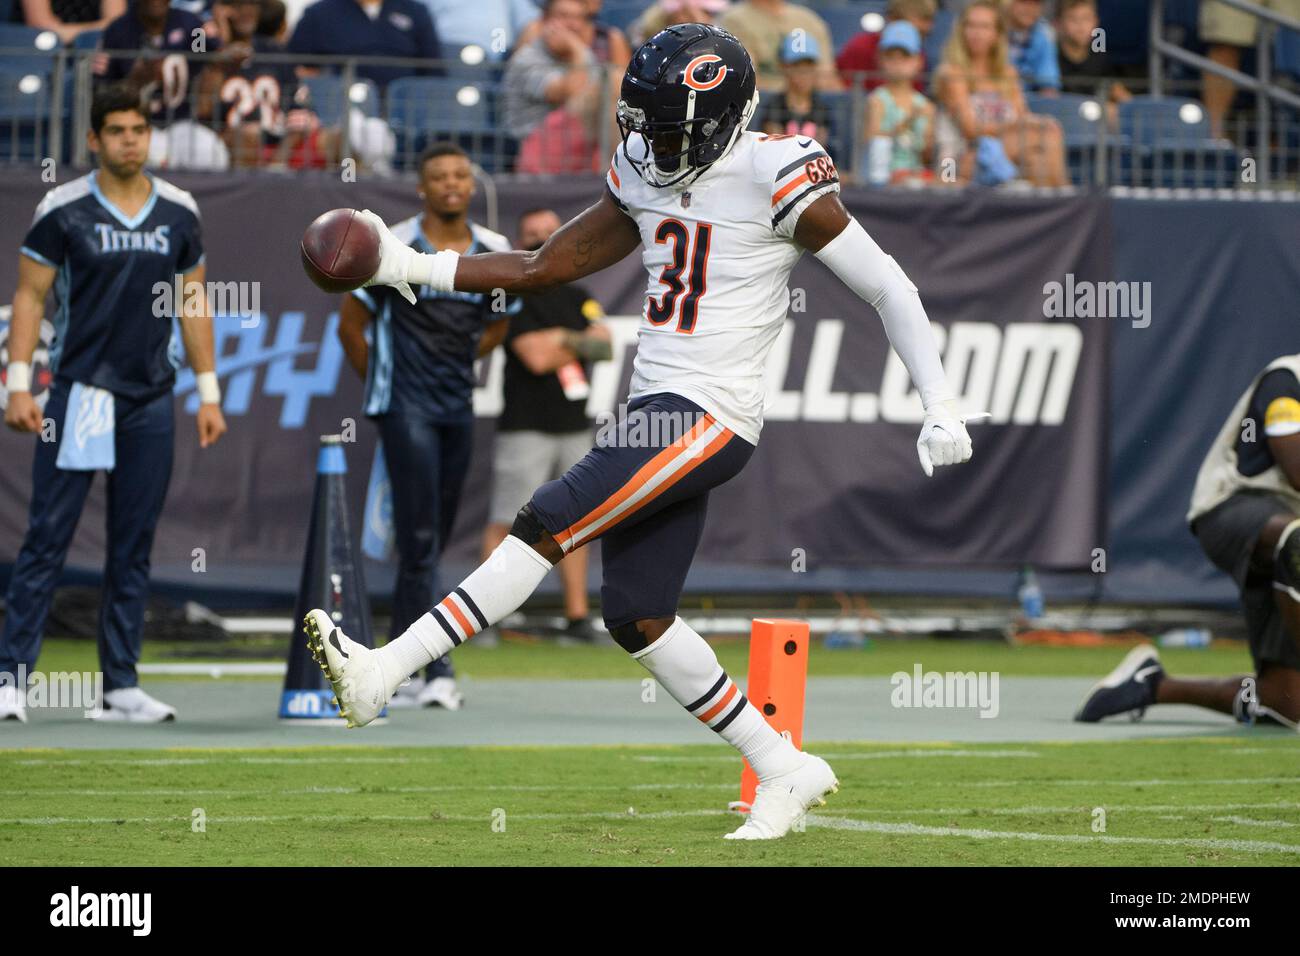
88	40
27	50
1081	123
24	116
622	13
932	46
1286	53
1171	138
423	108
846	22
471	66
845	131
328	97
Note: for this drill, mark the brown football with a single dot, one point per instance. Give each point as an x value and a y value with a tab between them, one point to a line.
340	250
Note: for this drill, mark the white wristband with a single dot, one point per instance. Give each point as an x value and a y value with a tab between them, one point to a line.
438	271
209	390
19	378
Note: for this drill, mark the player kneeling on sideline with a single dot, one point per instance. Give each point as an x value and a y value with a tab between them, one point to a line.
1246	514
705	198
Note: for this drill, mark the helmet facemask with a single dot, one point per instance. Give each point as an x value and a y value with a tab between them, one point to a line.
688	146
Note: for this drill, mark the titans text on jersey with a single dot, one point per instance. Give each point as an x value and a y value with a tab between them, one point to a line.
105	330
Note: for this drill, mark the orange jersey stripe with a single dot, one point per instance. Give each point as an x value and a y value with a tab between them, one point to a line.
613	174
717	708
785	190
643	475
708	452
450	605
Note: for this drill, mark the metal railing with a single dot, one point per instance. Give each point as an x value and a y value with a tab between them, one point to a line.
341	113
1266	90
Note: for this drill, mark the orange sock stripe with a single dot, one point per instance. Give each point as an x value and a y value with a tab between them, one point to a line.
458	614
717	708
709	451
637	481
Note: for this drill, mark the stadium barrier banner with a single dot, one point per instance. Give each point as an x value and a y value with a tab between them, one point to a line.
1020	290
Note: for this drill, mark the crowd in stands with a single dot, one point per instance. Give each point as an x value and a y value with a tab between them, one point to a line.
898	102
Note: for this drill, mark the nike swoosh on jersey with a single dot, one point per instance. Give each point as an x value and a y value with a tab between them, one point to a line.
804	143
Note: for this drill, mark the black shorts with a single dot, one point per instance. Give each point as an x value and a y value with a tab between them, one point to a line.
644	492
1228	534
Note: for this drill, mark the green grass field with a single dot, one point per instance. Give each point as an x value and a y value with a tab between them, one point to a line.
1200	801
1229	800
542	659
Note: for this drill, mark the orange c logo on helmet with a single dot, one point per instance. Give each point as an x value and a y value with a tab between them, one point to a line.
688	75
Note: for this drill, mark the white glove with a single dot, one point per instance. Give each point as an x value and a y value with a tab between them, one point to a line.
395	259
944	440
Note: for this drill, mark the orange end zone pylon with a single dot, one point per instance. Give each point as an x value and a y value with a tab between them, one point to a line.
778	677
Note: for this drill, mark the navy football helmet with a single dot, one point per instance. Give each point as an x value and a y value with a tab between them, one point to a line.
688	93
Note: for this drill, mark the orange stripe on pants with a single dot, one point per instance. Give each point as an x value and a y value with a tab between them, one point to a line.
709	451
637	481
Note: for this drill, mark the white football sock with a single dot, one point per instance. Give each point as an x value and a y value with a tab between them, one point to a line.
686	666
496	588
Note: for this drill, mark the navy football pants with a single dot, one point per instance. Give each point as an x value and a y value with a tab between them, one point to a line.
137	488
644	492
427	462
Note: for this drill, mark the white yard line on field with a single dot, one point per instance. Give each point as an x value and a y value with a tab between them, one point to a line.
1108	807
916	829
814	820
1250	822
864	755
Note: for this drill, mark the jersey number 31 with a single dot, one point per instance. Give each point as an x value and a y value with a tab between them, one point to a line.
662	308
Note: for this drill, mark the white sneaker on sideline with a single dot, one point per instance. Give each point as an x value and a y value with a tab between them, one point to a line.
13	703
408	695
134	705
782	801
442	692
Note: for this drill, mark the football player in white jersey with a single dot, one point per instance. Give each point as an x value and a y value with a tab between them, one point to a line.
721	215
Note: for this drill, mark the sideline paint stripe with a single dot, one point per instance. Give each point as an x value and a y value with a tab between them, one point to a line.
362	818
916	829
375	791
868	755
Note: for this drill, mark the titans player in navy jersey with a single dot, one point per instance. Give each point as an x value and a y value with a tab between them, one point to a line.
419	376
104	243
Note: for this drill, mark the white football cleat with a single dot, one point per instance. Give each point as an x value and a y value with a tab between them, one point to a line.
354	671
442	692
133	705
13	703
782	801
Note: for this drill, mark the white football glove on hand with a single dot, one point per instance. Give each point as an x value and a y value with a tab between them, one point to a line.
395	259
944	440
